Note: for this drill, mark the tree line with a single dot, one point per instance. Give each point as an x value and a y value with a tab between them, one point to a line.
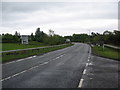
39	36
9	38
106	37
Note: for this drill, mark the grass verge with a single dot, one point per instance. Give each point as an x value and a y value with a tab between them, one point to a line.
14	46
107	52
6	57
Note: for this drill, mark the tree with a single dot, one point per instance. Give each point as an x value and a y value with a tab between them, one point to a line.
80	38
9	38
54	40
16	33
39	35
32	37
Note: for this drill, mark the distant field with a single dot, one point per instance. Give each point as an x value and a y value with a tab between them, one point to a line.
107	52
14	46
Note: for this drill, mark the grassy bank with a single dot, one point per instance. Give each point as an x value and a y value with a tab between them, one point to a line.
6	57
14	46
107	52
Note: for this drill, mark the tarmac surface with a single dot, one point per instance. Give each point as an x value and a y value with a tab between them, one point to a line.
71	67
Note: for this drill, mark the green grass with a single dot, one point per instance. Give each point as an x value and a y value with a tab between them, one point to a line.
107	52
6	57
14	46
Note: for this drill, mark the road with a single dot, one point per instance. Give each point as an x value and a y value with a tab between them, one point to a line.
71	67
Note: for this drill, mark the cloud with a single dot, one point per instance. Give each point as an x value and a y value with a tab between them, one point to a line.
68	17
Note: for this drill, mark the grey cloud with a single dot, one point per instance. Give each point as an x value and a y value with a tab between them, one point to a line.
29	14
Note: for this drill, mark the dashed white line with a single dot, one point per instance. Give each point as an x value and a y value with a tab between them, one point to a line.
90	64
19	60
80	84
10	62
13	75
23	71
57	57
44	63
86	64
62	55
26	69
84	72
35	56
88	60
29	57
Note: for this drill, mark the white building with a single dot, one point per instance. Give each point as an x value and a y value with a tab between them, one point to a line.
24	39
51	32
67	40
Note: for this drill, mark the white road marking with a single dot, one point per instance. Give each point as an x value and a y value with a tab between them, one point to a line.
86	64
10	62
23	71
80	84
26	69
84	72
88	60
5	79
35	56
62	55
18	60
57	57
13	75
29	57
90	64
44	63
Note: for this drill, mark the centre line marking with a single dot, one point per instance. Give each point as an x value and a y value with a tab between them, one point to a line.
84	72
86	64
26	69
90	64
44	63
81	82
23	72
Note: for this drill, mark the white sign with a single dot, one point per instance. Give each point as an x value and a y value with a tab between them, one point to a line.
24	39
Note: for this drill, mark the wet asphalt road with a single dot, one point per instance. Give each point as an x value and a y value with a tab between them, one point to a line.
72	67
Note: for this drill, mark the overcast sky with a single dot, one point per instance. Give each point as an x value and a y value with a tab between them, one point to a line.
65	18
